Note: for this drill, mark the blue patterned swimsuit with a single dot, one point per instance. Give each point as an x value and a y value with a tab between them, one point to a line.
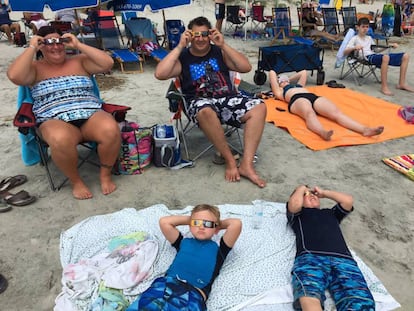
66	98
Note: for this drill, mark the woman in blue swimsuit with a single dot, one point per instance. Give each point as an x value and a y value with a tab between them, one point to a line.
307	105
66	108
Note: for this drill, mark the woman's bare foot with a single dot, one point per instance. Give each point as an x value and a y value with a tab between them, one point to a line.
107	185
372	131
250	173
80	191
386	91
326	135
405	88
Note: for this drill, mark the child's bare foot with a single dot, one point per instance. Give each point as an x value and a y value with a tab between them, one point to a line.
250	173
386	91
80	191
372	131
107	185
326	135
405	88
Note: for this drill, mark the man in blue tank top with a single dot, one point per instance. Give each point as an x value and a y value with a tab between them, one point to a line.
187	283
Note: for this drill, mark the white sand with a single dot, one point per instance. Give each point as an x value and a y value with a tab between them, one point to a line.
380	230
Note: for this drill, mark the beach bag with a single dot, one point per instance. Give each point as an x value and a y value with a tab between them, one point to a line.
167	150
136	148
20	39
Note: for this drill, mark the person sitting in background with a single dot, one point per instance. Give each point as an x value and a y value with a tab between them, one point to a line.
68	16
362	44
6	24
308	106
323	260
187	283
65	106
310	22
35	21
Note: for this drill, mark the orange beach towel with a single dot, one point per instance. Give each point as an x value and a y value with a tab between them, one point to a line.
365	109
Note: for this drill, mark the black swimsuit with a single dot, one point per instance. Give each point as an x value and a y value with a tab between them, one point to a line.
309	96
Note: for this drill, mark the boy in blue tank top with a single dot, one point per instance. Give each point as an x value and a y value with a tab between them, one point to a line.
187	283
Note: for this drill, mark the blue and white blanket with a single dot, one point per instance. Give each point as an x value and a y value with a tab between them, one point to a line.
255	276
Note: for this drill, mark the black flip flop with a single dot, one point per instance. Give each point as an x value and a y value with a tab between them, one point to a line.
4	207
20	198
12	181
3	283
335	85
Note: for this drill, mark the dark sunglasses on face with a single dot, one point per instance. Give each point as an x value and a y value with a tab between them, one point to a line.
200	33
51	41
204	223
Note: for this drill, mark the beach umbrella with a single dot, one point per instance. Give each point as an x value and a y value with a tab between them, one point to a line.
54	5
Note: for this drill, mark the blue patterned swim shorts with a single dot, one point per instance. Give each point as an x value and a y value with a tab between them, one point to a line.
169	294
313	274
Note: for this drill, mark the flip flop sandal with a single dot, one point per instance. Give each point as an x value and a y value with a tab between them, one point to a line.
11	182
335	85
4	207
20	198
3	283
219	160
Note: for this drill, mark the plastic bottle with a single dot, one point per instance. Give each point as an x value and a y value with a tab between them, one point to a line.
161	133
257	214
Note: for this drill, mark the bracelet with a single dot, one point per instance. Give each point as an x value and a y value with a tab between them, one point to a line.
32	46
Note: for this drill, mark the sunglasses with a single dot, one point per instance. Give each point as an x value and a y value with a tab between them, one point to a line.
200	33
203	223
51	41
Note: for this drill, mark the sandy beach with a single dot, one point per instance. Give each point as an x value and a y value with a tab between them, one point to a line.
380	230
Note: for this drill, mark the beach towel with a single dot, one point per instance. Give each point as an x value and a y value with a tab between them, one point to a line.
365	109
255	276
403	164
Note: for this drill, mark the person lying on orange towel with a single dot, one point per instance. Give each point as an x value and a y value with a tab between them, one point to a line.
307	105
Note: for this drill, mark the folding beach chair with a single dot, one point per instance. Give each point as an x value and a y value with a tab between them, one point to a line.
330	20
259	20
174	28
35	149
359	69
179	107
349	17
282	24
233	21
143	39
110	39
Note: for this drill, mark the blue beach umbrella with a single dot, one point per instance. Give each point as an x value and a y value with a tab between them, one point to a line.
54	5
139	5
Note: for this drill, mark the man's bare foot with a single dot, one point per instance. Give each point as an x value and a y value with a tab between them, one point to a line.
371	131
80	191
326	135
107	185
386	91
232	173
251	174
405	88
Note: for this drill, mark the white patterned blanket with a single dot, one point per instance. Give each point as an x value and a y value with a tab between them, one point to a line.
255	276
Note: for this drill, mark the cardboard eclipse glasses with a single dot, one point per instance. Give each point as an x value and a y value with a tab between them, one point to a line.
203	223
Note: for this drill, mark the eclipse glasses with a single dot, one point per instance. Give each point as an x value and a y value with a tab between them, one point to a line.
51	41
200	33
203	223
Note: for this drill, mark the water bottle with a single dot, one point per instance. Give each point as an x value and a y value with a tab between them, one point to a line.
161	131
257	214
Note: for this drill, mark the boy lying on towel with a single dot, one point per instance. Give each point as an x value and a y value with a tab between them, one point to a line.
187	282
323	260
